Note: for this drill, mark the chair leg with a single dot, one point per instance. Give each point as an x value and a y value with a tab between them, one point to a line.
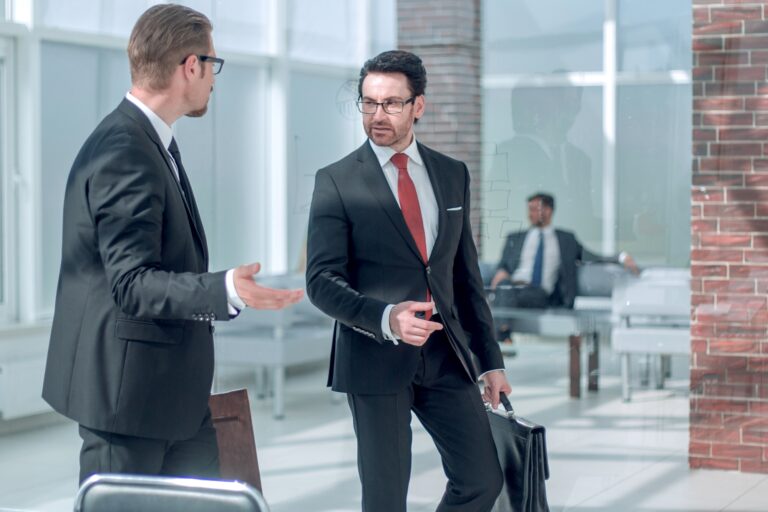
645	371
262	383
574	344
661	370
625	392
278	404
593	362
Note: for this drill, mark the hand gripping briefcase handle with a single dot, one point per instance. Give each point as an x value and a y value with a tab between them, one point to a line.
522	451
536	428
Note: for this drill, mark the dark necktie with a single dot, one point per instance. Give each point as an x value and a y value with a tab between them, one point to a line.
188	196
538	262
409	204
173	149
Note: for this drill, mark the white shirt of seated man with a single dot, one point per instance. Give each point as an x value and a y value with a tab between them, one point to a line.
551	263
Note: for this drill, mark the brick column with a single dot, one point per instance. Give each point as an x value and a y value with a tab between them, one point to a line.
729	254
446	35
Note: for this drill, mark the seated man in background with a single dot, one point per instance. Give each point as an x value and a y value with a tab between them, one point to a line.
540	264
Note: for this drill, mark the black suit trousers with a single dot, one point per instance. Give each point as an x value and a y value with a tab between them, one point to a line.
107	452
450	407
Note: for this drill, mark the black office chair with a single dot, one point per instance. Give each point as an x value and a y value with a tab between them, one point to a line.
129	493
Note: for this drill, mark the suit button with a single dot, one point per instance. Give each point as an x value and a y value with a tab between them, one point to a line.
429	270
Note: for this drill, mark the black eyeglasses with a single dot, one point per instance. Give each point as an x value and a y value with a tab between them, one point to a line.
390	106
216	62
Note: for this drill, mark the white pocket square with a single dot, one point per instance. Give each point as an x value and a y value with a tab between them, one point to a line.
454	209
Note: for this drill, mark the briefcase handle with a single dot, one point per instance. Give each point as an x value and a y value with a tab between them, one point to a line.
507	406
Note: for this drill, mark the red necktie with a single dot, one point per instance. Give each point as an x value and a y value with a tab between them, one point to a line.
409	204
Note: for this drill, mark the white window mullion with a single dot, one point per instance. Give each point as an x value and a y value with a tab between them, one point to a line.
29	187
277	147
609	127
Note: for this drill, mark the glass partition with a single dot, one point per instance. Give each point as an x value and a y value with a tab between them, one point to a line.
541	36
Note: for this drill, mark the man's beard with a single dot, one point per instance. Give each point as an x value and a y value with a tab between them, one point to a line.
198	113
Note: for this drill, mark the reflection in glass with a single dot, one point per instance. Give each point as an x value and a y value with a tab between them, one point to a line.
539	36
542	139
323	126
653	149
654	35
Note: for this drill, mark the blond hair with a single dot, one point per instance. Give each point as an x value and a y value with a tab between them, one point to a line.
162	37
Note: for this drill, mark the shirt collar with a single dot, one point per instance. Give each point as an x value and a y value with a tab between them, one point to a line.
545	230
164	131
384	153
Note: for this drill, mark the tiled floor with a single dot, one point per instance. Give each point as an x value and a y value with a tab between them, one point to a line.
605	455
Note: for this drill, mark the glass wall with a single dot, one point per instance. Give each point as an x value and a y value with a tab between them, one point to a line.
323	126
600	121
280	110
72	104
4	193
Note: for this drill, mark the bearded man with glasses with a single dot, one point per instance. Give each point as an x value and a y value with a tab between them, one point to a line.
390	256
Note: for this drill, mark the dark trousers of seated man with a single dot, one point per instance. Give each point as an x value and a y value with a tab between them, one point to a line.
450	408
508	295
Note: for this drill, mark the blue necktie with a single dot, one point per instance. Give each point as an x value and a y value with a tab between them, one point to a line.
538	263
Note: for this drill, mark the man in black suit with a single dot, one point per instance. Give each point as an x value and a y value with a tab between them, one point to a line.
392	259
538	265
131	351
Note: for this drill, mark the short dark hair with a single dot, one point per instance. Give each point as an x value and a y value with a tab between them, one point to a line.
396	61
546	199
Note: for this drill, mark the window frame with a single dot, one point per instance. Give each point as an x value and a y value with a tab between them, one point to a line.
609	79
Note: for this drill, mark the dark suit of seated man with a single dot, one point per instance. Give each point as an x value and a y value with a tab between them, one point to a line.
538	265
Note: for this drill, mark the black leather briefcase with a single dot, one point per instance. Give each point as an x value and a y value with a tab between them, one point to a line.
522	450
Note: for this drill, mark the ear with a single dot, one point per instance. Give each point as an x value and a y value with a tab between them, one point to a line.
419	104
191	66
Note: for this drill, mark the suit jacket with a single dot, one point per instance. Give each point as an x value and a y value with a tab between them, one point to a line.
571	254
131	347
362	257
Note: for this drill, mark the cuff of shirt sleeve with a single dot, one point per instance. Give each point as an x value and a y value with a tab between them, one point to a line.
489	371
235	303
386	330
622	256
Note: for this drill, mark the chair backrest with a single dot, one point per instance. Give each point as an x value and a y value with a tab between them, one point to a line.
655	293
594	279
129	493
231	415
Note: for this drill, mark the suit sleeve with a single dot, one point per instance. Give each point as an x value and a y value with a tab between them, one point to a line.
474	313
585	255
328	261
126	199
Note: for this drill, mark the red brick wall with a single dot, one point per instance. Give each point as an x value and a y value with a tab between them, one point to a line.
446	35
729	253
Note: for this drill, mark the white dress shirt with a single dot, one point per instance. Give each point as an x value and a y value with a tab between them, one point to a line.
427	202
165	132
551	267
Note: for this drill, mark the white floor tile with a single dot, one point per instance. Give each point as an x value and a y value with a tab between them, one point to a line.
605	455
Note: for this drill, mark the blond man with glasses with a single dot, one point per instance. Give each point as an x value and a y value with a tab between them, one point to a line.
131	351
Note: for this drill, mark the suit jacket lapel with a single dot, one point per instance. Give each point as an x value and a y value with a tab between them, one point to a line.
190	206
437	187
374	179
